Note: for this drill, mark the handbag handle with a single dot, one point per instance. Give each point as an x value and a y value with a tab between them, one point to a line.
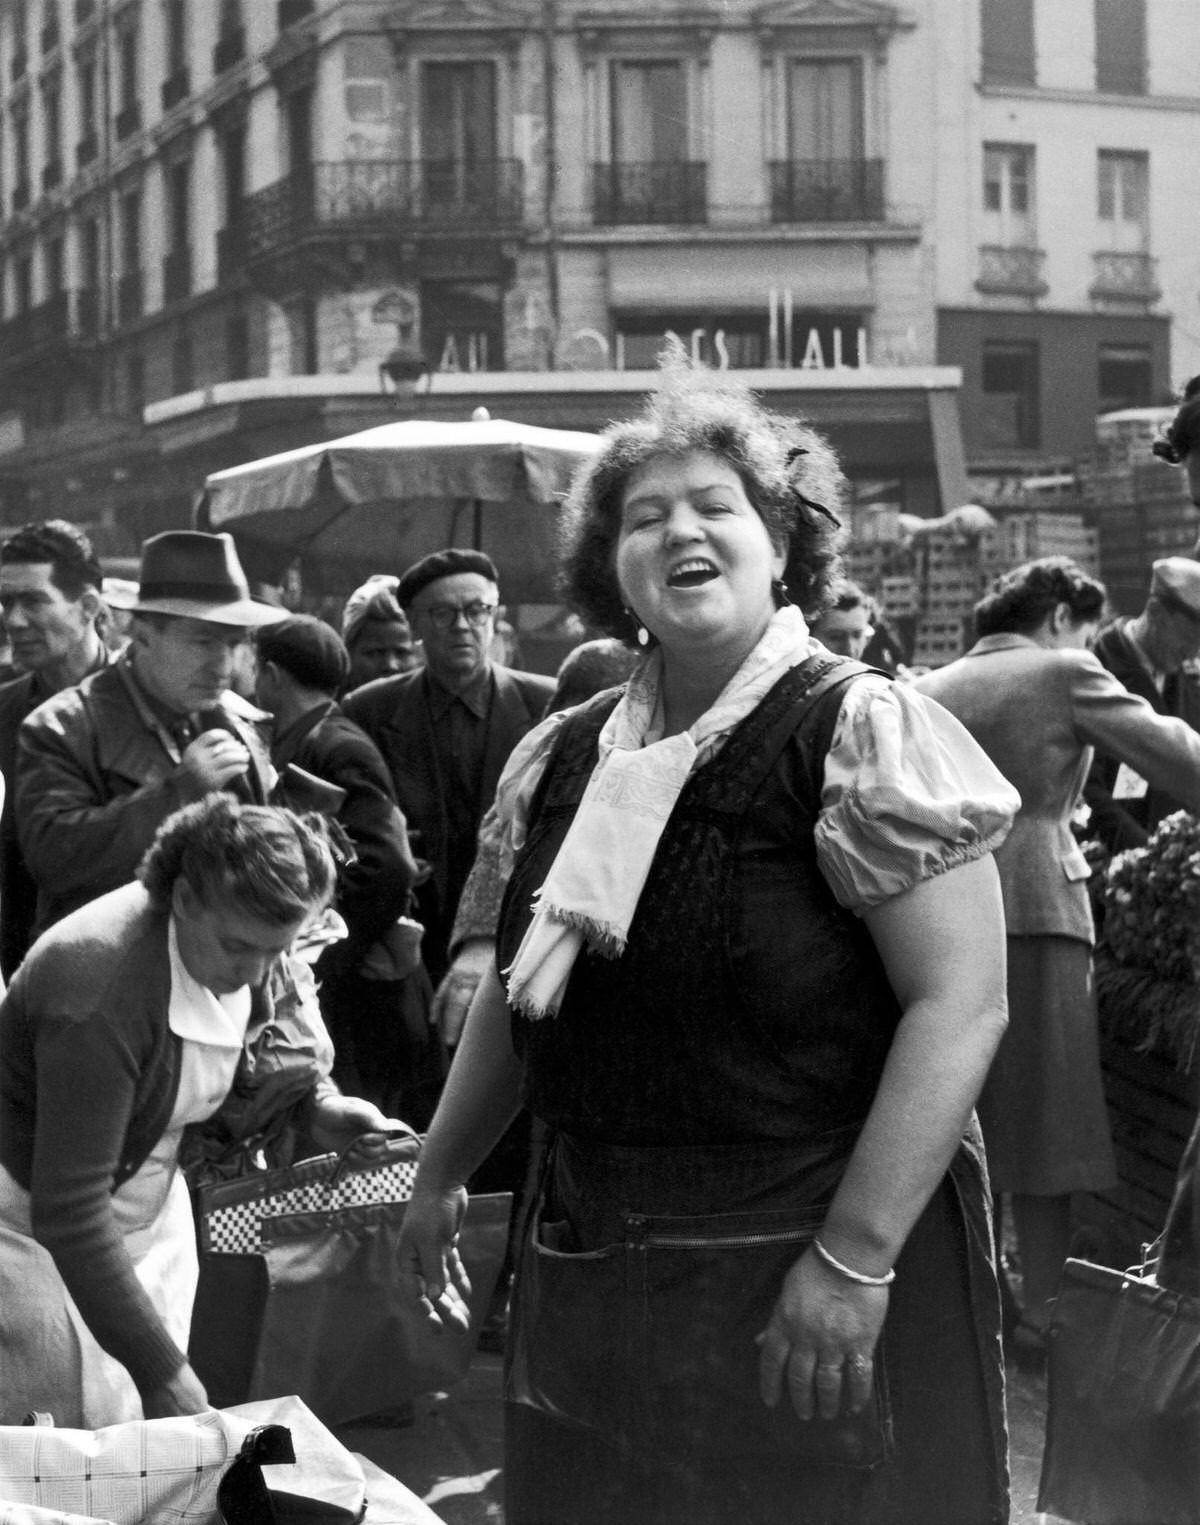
400	1141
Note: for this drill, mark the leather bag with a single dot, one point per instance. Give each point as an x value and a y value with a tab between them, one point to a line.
1123	1401
299	1294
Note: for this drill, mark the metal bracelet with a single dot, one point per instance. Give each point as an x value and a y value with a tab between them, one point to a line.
859	1277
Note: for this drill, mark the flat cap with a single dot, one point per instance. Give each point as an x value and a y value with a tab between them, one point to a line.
308	649
1175	581
443	564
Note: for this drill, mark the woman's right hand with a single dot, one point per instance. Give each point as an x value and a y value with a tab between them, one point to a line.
178	1396
429	1259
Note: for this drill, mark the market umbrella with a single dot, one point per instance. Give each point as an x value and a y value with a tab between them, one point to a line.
381	499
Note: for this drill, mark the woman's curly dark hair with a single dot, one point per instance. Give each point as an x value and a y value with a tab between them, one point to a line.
1020	600
1182	434
789	472
267	861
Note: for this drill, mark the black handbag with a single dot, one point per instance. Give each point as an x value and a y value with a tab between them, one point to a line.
1123	1396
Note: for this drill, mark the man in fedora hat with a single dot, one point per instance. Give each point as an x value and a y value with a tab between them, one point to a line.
446	730
1154	654
101	766
50	599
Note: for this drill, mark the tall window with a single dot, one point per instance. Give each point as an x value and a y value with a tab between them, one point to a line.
825	111
53	264
127	67
1124	377
1120	46
20	141
23	282
1123	199
52	119
89	254
1011	402
458	130
87	95
233	173
175	18
131	232
179	206
1008	193
649	112
1007	38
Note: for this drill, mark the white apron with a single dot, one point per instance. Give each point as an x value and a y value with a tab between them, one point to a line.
49	1360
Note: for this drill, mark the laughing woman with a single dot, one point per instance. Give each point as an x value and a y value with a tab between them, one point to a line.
753	978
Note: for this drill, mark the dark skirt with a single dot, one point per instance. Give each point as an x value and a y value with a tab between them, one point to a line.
1044	1118
632	1374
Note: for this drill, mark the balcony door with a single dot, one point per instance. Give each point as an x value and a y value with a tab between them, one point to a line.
458	132
825	110
825	176
1008	195
648	177
1123	201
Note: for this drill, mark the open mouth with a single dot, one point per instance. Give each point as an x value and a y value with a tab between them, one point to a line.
691	574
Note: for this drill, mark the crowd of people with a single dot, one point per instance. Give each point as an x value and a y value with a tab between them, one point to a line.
741	952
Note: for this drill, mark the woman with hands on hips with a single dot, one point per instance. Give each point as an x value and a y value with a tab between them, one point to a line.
752	957
125	1024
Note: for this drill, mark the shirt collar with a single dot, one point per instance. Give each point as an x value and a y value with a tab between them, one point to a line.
194	1012
477	695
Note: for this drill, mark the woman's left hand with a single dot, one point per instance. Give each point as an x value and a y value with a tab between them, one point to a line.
820	1341
340	1122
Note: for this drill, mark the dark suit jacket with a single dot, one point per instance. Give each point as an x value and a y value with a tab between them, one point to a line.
18	891
1125	823
1038	713
394	712
94	784
374	890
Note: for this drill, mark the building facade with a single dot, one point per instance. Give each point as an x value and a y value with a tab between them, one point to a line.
231	226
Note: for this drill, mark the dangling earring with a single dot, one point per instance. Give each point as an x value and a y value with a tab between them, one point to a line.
642	634
780	589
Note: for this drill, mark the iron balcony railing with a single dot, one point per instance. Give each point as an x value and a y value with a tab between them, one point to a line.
130	304
1011	270
827	190
229	50
53	324
673	191
383	196
1131	277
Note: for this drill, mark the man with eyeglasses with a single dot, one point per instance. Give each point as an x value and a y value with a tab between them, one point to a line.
446	730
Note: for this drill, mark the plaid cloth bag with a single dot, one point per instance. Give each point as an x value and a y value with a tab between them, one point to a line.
298	1290
149	1471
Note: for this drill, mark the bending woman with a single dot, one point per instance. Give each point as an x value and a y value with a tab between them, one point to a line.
754	957
126	1023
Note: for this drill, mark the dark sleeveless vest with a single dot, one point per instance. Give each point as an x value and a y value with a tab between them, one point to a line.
747	1005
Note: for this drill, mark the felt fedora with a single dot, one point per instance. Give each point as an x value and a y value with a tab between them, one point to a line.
198	576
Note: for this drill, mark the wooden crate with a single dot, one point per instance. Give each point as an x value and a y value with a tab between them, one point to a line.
1152	1109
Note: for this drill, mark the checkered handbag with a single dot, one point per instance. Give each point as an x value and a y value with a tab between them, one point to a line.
230	1214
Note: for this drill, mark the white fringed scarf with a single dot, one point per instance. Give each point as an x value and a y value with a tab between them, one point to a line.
592	890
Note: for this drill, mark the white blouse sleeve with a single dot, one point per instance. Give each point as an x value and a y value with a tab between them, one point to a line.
908	794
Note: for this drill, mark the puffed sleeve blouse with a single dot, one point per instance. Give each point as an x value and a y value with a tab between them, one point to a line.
908	794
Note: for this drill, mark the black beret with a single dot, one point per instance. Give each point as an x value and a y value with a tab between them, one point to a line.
443	564
307	648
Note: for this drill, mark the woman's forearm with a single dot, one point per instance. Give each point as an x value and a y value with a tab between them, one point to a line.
942	945
921	1111
481	1095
